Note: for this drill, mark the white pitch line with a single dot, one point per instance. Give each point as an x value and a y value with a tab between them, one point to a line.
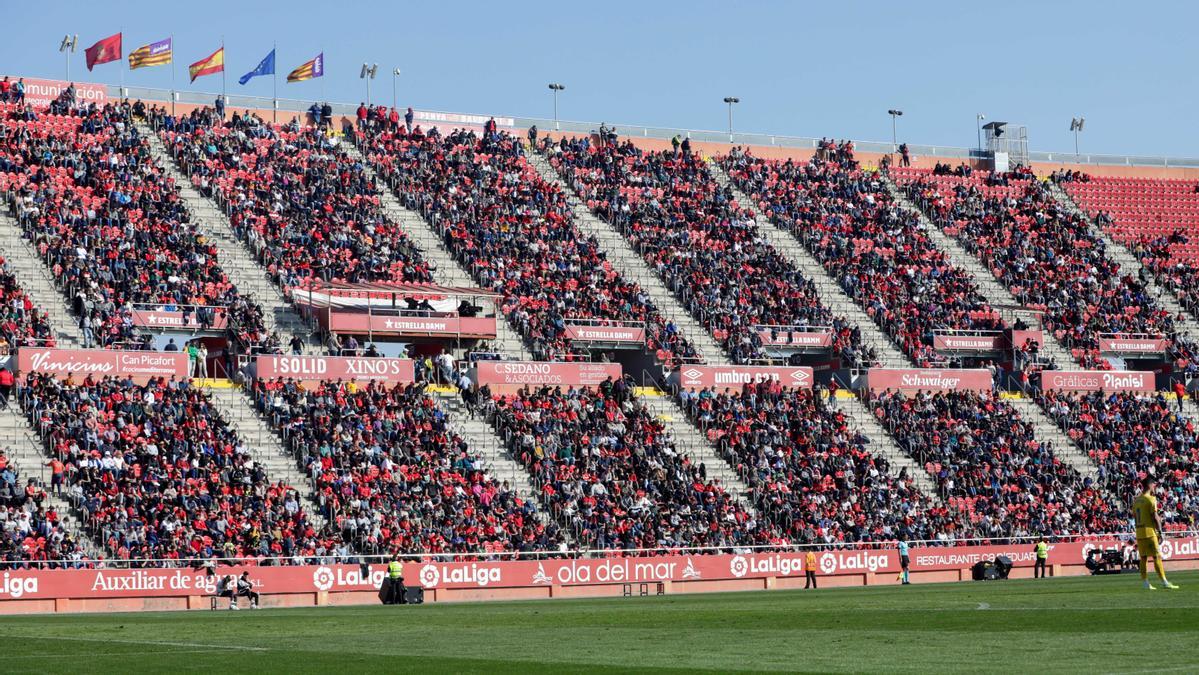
241	648
11	657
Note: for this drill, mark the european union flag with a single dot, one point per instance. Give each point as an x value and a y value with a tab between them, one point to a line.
266	67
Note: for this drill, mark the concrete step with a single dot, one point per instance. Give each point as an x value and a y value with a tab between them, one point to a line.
24	448
691	441
234	256
1185	323
35	278
446	269
884	445
481	438
831	294
995	294
634	268
1047	432
265	446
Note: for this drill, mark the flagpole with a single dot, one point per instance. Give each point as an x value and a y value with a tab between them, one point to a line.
274	83
223	95
122	34
172	76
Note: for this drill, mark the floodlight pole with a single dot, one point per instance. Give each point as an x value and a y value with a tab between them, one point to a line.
555	87
730	100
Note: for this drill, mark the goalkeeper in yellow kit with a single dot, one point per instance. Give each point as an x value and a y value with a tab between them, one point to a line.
1149	533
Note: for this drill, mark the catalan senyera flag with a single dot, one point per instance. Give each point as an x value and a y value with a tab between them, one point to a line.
154	54
108	49
311	69
213	63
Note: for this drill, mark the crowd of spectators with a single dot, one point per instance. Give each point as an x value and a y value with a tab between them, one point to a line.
813	478
1051	261
110	224
1130	436
22	323
157	473
990	467
31	530
516	234
877	250
608	467
1180	276
706	247
305	207
393	477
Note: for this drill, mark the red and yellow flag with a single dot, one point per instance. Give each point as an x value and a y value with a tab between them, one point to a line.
214	63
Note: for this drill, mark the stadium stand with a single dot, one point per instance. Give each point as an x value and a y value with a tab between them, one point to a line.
877	250
989	465
30	529
812	478
515	232
110	225
157	473
1154	218
605	465
700	241
1131	436
1046	257
392	477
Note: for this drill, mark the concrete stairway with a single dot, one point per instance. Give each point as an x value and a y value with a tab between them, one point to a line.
634	268
1048	432
884	445
831	293
23	448
1117	252
33	275
264	445
996	295
235	258
1190	410
689	440
485	444
445	267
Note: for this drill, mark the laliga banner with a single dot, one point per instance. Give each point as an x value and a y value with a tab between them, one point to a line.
332	368
736	377
1098	380
881	379
138	366
103	583
515	374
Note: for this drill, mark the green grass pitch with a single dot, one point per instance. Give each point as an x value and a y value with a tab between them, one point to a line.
1080	624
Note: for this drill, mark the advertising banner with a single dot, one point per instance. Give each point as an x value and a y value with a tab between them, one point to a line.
881	379
363	369
1098	380
150	582
1131	345
139	366
40	93
605	333
362	323
798	339
542	373
736	377
969	343
156	319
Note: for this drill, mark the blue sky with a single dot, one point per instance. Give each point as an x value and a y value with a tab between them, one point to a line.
827	69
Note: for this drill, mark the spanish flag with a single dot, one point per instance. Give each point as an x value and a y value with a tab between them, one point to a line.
153	54
207	66
311	69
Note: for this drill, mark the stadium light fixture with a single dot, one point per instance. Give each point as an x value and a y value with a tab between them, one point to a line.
894	113
1076	124
67	47
731	100
394	75
978	124
555	87
368	73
